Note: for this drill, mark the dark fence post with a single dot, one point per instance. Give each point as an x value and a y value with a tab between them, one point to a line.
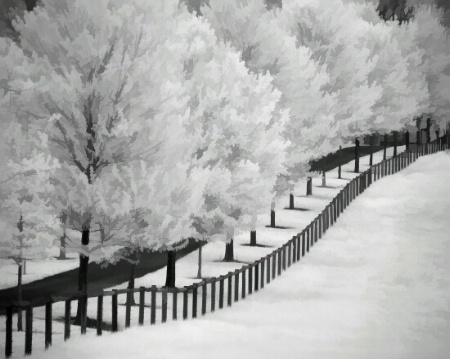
268	269
283	254
303	243
250	279
256	276
279	262
229	289
128	309
262	272
213	294
9	330
243	289
194	300
294	249
99	314
164	305
83	300
28	329
308	231
175	303
153	305
204	296
236	285
185	303
114	311
48	324
67	320
274	256
221	290
141	305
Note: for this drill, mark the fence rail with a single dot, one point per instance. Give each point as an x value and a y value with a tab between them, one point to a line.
212	293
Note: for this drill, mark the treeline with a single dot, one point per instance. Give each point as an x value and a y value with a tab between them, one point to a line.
131	126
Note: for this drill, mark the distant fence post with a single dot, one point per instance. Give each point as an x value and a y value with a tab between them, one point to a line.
114	311
164	305
28	329
67	320
194	300
256	276
175	303
48	324
213	295
221	290
153	304
128	308
185	303
9	331
141	305
99	314
236	285
229	302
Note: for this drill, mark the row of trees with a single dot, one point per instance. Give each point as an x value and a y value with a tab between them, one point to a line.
139	124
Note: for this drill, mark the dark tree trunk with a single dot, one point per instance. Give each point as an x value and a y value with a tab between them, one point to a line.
291	201
356	155
19	298
385	146
428	130
199	272
131	283
437	134
324	179
229	251
395	143
272	218
62	247
24	267
253	238
407	140
31	4
339	169
309	186
83	276
418	142
170	273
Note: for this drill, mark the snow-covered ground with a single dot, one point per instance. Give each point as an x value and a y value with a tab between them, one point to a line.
375	286
213	253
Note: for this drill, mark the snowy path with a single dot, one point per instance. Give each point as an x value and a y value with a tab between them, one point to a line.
376	286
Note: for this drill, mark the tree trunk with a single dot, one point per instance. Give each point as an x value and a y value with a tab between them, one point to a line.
24	267
356	155
428	130
272	218
199	272
437	134
19	298
253	238
324	179
407	140
131	283
291	201
309	186
418	142
339	169
395	143
83	276
385	146
170	273
62	247
229	251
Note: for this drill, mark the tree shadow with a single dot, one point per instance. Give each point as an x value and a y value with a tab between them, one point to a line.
257	245
280	227
297	209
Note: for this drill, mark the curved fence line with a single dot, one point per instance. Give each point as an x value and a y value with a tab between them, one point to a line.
213	293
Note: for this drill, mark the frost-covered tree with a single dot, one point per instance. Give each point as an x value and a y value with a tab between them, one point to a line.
234	116
108	95
266	47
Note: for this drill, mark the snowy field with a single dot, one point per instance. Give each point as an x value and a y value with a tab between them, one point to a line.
375	286
214	252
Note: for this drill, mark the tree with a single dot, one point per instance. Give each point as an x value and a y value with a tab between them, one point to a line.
112	98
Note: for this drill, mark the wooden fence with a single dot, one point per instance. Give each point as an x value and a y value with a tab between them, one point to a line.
213	293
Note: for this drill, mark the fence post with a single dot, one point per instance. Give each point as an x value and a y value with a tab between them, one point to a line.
236	285
250	279
262	272
303	243
164	305
283	254
141	305
99	314
274	256
257	276
221	290
185	303
83	300
128	309
67	320
316	230
289	253
308	234
213	294
114	311
194	300
48	324
268	269
243	283
175	303
298	247
229	289
153	305
204	296
28	329
9	330
279	262
294	250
